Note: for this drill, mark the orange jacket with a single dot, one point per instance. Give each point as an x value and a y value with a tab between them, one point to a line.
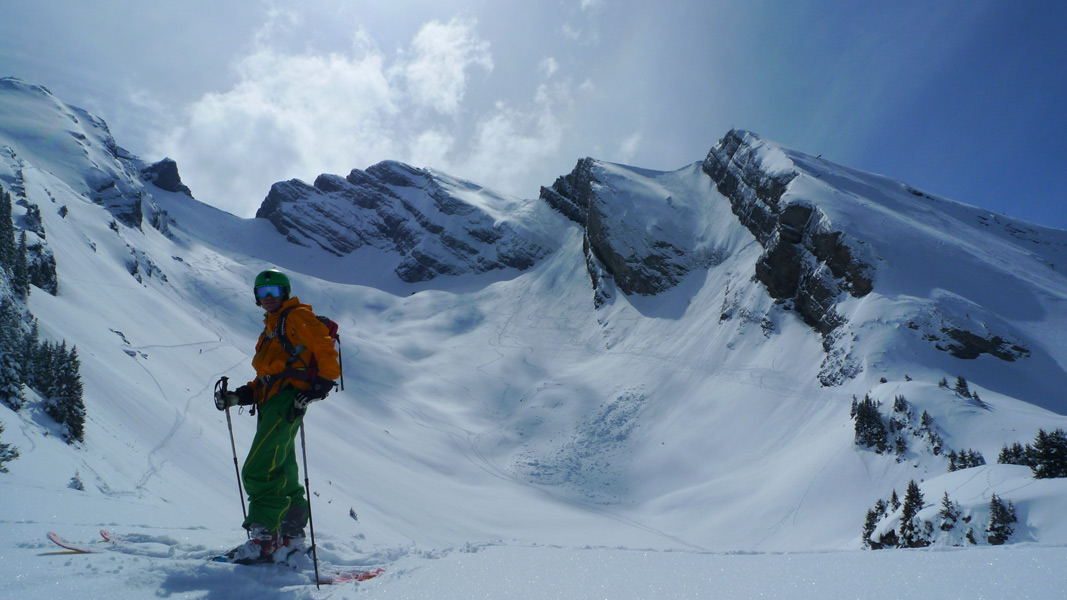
305	331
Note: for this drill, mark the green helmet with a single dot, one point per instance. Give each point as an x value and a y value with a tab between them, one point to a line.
272	277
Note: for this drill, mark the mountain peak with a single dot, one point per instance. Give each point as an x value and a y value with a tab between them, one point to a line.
426	223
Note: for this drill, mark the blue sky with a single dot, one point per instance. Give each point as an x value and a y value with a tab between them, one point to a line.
963	99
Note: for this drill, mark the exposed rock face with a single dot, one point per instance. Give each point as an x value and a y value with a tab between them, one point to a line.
164	174
120	199
969	345
642	236
437	225
805	260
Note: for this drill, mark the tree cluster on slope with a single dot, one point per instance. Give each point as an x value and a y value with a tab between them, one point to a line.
892	433
1046	456
900	430
28	263
965	459
59	381
963	389
50	369
8	452
896	524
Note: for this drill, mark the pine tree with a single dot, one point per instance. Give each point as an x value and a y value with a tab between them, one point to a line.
71	392
1015	454
962	388
28	355
1001	517
868	529
870	430
894	501
43	273
20	278
926	420
8	452
1049	454
43	371
7	233
880	507
911	527
900	446
950	513
64	393
10	367
900	405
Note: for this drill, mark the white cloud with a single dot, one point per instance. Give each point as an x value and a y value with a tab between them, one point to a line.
443	54
288	116
548	66
508	141
298	115
629	147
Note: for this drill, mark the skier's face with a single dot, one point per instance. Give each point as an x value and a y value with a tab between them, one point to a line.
271	303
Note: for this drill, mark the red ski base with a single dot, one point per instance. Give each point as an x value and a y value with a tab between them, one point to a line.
62	543
353	576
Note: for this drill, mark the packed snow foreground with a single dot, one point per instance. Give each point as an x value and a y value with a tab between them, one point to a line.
720	381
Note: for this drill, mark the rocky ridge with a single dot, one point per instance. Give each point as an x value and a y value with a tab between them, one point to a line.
437	225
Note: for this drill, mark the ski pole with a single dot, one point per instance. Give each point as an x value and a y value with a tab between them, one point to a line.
340	363
233	445
307	490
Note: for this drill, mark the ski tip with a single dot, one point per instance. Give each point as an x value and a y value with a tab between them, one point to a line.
106	535
347	577
62	543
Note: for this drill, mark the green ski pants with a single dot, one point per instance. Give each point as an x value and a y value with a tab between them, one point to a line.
270	472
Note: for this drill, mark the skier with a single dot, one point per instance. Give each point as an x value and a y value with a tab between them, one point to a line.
296	364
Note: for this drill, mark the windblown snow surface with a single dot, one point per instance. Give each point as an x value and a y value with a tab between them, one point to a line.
497	436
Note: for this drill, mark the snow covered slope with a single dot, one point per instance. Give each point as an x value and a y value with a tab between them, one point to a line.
673	369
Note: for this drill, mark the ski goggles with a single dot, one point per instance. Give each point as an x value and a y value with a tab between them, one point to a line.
270	291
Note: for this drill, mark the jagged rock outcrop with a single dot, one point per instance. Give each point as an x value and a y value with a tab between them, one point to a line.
164	174
806	261
645	240
435	224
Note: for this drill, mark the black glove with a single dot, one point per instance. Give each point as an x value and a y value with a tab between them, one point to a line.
320	388
245	395
242	396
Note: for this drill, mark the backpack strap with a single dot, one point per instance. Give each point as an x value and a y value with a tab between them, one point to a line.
291	371
279	332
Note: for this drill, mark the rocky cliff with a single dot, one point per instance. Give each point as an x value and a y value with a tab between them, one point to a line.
640	227
436	224
806	260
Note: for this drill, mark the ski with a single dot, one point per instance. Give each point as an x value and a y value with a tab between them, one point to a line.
333	575
63	543
346	577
